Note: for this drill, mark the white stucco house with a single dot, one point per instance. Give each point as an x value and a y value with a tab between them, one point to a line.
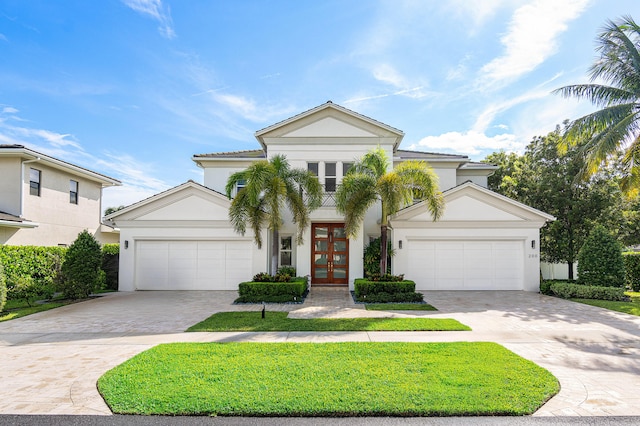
45	201
182	239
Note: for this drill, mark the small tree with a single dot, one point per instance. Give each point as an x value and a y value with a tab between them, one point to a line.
81	267
600	261
3	288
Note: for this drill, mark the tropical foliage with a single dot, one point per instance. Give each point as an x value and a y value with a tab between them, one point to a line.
81	267
369	181
616	126
269	187
600	261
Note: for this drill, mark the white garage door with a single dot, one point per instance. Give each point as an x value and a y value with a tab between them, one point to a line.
192	265
466	265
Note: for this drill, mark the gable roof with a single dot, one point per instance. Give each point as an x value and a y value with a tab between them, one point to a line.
140	205
399	134
508	209
249	154
15	150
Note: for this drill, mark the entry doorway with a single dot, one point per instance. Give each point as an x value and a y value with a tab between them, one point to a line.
329	254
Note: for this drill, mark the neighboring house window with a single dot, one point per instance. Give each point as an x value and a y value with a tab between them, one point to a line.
286	251
34	182
313	168
73	192
330	177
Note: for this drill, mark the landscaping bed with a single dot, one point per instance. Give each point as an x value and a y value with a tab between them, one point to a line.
278	321
273	289
329	379
385	289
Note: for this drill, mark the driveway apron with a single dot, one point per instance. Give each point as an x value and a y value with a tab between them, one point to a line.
52	360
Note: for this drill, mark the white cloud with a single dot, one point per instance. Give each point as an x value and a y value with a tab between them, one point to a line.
470	142
155	10
9	110
531	37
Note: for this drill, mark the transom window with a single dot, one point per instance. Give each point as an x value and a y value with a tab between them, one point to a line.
34	182
73	192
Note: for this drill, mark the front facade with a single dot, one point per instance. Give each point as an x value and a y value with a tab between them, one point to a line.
182	239
48	202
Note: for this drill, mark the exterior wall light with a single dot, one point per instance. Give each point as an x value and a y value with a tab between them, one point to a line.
126	244
400	244
533	244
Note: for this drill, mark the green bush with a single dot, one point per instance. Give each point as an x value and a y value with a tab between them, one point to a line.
110	265
33	261
364	287
372	257
80	270
632	270
545	288
577	291
391	298
286	270
279	277
274	292
3	288
600	261
30	289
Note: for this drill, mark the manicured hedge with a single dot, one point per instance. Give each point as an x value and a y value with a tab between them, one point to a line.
632	269
256	292
32	261
577	291
386	291
110	264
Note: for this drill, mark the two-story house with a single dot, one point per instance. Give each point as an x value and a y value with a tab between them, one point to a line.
47	202
182	238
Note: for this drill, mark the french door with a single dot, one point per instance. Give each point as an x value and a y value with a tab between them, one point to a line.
329	254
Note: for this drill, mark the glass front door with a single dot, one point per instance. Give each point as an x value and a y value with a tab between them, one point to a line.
329	254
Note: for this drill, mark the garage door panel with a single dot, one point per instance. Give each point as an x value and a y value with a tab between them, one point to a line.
192	265
466	265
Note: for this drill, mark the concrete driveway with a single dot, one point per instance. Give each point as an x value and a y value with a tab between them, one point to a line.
51	360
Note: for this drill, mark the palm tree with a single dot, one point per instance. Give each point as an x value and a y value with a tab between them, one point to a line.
616	126
368	182
269	186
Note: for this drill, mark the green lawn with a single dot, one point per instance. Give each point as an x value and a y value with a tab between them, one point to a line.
18	308
328	379
278	321
632	307
399	307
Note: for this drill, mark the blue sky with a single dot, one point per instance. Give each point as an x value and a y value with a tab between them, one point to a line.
134	88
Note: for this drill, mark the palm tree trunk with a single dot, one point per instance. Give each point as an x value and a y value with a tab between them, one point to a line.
383	249
275	246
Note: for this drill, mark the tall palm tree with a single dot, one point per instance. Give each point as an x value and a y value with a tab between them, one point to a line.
616	126
369	182
269	187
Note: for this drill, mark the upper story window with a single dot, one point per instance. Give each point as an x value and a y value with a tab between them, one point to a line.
240	184
313	168
34	182
330	177
73	192
345	168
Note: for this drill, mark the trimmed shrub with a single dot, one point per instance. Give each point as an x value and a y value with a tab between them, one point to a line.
386	291
363	287
286	270
80	270
632	269
545	288
372	257
30	289
3	288
577	291
600	261
110	265
275	292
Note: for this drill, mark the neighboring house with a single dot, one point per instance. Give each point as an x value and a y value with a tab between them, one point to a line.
182	239
48	202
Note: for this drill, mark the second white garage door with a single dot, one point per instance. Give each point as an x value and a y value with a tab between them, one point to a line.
192	265
466	265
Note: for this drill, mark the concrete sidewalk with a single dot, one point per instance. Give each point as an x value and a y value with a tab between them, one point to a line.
52	360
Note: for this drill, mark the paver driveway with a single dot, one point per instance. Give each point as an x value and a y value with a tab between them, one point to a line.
51	360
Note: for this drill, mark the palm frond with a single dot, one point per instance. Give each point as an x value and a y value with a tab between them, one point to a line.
354	197
598	94
375	162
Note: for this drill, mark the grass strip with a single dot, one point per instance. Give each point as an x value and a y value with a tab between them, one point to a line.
329	379
278	321
399	307
9	314
632	308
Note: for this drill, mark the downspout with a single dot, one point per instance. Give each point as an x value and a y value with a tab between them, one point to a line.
21	179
